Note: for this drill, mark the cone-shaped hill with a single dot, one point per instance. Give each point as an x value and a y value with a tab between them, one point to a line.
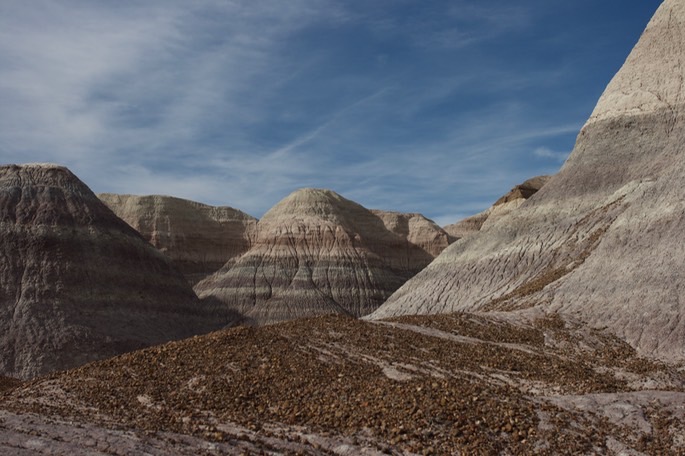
198	238
604	239
319	253
76	282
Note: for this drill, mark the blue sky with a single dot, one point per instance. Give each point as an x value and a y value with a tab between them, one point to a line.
427	106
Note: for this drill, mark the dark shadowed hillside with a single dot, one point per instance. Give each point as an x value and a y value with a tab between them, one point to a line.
76	282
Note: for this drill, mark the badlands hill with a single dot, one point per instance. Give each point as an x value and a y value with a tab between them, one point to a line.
199	239
517	382
76	282
319	253
604	239
417	231
503	206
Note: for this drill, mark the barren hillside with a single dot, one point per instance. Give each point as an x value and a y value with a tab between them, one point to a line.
458	384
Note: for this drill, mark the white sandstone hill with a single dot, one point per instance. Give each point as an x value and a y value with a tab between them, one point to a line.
604	240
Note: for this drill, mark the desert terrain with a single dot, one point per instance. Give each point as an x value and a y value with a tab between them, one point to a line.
551	323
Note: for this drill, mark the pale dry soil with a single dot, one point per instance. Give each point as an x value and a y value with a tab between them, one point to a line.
455	384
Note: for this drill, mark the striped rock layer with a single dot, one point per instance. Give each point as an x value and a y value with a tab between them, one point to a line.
77	283
199	239
604	239
319	253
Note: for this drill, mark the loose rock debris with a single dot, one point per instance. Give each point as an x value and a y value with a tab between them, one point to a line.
500	390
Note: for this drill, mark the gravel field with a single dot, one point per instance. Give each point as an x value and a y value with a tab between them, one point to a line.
455	384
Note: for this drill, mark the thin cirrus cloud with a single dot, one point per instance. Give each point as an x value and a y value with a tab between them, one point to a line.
545	152
428	106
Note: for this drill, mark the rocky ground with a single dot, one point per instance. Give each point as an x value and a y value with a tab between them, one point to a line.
8	383
456	384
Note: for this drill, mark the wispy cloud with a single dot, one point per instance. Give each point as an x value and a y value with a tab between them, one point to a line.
545	152
333	118
472	22
436	106
99	76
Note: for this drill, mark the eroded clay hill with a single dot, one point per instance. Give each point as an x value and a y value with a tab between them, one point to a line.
503	206
418	231
198	238
77	283
319	253
604	239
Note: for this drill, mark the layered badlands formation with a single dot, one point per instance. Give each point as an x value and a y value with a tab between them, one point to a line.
603	239
503	206
417	231
598	243
76	282
198	238
319	253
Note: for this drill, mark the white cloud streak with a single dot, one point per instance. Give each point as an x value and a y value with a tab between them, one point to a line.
193	99
93	75
546	152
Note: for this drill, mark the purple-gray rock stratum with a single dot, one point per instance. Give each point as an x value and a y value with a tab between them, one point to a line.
76	282
319	253
198	238
604	239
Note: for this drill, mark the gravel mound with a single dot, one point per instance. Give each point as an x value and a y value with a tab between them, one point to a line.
473	384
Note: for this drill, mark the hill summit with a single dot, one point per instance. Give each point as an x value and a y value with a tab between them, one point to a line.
319	253
76	282
198	238
604	239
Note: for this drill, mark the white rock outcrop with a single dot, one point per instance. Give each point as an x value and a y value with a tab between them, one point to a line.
503	206
604	239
